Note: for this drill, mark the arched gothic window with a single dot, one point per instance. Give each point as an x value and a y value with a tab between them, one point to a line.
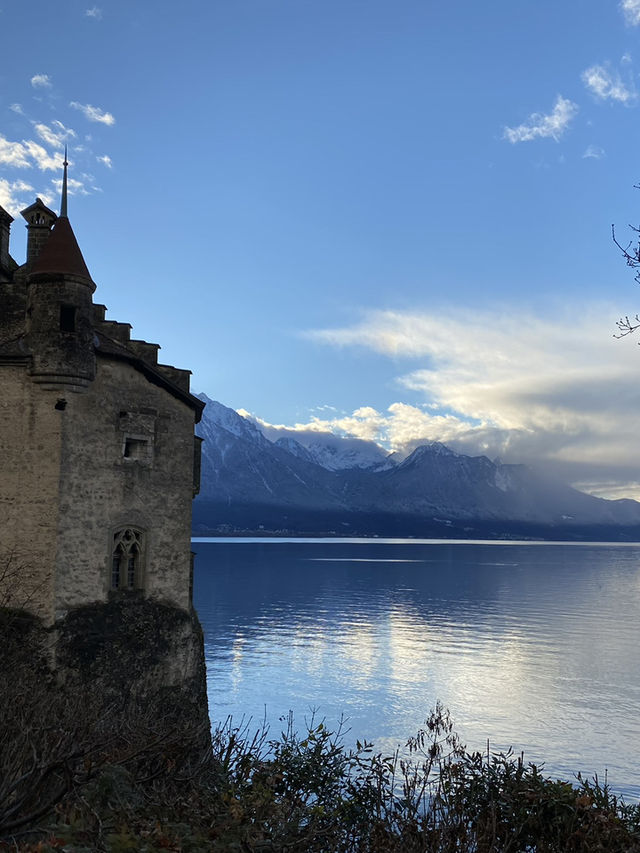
126	559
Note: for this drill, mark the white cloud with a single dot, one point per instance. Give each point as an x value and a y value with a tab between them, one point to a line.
539	126
94	13
41	81
13	154
365	424
518	386
631	12
55	134
41	157
94	113
12	196
594	152
26	154
40	150
607	84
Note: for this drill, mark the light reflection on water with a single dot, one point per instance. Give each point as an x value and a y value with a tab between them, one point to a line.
531	647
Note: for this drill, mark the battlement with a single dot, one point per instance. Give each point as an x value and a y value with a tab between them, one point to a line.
147	352
181	378
119	332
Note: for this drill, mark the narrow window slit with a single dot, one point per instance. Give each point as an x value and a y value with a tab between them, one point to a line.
67	318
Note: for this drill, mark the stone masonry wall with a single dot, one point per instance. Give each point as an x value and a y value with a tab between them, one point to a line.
30	446
102	489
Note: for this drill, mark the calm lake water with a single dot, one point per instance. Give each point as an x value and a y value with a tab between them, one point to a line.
534	646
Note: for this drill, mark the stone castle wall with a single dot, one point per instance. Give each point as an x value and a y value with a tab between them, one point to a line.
30	452
78	467
127	460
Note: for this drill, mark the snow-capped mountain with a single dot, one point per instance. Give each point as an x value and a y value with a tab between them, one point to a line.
222	417
241	466
334	485
337	454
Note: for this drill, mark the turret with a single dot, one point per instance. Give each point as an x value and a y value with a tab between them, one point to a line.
60	309
39	223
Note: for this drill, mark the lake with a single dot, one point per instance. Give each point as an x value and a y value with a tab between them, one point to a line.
533	646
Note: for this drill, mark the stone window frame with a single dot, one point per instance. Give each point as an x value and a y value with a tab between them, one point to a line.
137	448
128	548
137	436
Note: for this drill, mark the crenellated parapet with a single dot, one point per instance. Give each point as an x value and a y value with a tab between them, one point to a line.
146	351
179	377
120	332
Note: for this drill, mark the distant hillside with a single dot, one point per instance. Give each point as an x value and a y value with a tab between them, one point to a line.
347	487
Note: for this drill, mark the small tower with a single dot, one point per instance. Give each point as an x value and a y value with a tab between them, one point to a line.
39	223
59	303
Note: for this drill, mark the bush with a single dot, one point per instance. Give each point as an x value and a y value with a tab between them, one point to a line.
307	793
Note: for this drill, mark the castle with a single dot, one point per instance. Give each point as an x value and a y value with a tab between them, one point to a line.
98	459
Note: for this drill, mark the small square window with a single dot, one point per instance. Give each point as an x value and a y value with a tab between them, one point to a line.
135	448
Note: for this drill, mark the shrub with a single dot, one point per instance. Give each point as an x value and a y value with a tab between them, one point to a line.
307	793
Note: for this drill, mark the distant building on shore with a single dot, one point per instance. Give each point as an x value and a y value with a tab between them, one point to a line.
98	459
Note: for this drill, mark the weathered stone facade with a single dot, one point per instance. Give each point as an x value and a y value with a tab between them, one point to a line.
97	447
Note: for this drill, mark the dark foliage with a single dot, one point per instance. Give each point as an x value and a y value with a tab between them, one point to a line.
307	793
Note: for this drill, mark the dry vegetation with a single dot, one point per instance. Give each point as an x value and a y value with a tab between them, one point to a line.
91	785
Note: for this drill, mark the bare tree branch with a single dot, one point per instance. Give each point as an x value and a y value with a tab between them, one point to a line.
631	255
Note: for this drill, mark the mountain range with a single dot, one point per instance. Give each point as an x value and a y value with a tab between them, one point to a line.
349	487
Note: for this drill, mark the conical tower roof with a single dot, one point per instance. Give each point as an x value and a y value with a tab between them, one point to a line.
61	254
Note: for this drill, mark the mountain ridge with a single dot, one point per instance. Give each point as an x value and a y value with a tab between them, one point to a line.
250	483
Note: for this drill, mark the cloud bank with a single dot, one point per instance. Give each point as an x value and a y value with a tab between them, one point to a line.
560	393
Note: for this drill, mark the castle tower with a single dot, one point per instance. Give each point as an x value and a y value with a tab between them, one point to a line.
59	305
96	441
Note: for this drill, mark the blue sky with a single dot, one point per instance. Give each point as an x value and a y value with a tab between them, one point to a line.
386	218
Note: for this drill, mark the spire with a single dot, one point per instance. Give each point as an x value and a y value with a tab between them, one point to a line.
63	202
